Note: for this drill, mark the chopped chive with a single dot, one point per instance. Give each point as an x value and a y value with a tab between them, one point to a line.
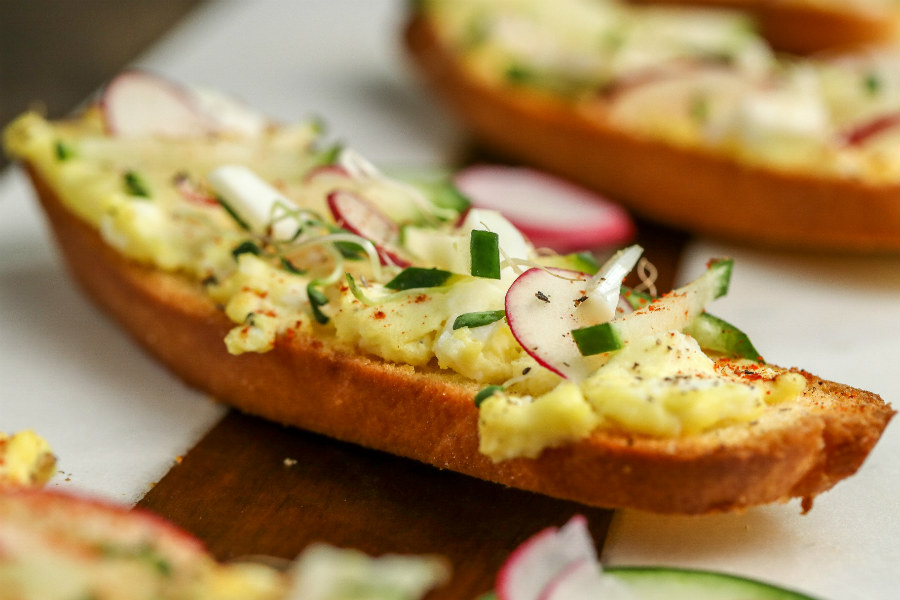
246	247
486	393
872	83
329	155
484	248
136	185
233	214
64	151
358	293
699	108
290	268
517	74
418	277
478	319
596	339
348	250
726	265
316	300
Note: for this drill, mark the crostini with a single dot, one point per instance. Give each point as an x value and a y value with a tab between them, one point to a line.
687	118
810	26
60	546
296	281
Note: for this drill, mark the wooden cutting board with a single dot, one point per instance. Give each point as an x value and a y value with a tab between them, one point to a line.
251	487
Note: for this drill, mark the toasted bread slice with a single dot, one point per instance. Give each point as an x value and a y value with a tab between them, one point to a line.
690	186
796	449
808	26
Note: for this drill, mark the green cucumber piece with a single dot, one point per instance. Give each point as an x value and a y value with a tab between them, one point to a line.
665	583
718	335
484	247
711	332
669	583
583	262
671	312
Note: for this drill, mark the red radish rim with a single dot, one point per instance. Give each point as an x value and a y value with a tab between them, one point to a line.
858	135
187	99
320	170
601	222
567	571
506	306
43	500
530	545
504	574
387	255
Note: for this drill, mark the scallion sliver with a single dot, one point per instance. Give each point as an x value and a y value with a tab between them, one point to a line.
486	393
478	319
418	277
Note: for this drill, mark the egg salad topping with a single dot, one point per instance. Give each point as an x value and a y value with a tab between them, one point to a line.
696	78
293	239
26	460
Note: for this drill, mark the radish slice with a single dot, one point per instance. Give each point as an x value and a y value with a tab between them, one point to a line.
356	214
542	308
541	559
138	103
582	579
860	134
191	191
550	211
336	172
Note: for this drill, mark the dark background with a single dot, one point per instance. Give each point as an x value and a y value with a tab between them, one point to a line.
55	53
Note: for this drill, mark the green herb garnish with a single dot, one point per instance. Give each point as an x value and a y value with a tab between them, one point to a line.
136	185
872	83
233	214
418	277
486	393
246	247
64	151
478	319
316	300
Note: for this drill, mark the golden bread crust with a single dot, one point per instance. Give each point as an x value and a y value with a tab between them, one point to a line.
689	188
428	415
805	27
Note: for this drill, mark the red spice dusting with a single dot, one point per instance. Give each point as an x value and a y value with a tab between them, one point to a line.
420	298
378	314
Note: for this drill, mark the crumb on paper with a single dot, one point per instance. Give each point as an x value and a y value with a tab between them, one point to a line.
290	462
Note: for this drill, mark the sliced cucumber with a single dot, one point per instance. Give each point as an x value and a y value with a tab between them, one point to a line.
663	583
485	254
718	335
671	312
